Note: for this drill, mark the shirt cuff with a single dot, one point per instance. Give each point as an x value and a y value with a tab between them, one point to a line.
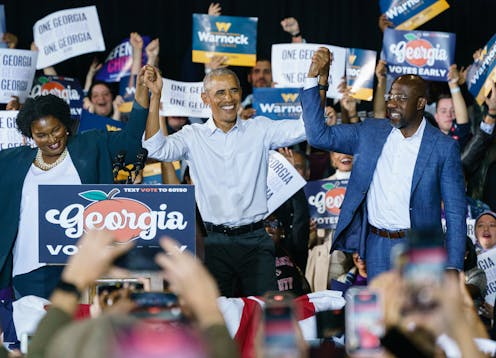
310	82
153	143
486	127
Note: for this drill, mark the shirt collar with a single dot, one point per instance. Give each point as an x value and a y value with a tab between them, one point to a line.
418	132
212	127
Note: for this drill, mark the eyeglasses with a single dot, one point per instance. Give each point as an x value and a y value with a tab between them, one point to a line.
395	97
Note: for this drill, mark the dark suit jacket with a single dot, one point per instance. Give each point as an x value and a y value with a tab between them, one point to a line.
437	176
91	152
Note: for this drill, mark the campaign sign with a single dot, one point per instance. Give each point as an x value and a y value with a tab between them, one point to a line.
10	136
119	61
139	213
69	89
17	71
2	25
94	121
127	90
324	199
425	53
67	33
277	103
183	99
360	72
410	14
290	64
283	180
486	261
482	73
231	36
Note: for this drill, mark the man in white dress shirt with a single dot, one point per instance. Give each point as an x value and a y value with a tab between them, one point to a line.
228	160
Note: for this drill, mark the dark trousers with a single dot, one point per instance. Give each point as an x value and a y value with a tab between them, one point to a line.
40	282
244	261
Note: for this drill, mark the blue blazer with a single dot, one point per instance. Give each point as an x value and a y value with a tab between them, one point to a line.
91	152
437	177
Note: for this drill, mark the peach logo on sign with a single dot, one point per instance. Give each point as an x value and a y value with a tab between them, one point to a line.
417	51
47	86
128	219
329	200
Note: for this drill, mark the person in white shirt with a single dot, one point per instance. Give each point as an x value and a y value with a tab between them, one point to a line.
228	161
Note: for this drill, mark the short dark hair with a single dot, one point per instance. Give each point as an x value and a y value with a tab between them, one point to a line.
95	83
42	106
442	96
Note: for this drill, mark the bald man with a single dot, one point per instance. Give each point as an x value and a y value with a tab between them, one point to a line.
403	168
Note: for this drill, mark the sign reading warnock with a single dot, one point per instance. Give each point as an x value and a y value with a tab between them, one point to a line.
410	14
425	53
140	213
324	199
231	36
482	72
277	103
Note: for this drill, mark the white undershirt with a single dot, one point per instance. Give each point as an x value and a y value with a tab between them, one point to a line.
26	257
388	199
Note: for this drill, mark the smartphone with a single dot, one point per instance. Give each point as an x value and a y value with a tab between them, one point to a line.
280	331
160	305
364	322
110	285
330	323
424	269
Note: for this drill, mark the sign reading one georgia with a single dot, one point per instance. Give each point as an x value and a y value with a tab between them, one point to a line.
290	63
360	71
183	99
120	60
486	261
10	136
66	88
277	103
67	33
140	213
324	201
17	69
482	72
425	53
231	36
410	14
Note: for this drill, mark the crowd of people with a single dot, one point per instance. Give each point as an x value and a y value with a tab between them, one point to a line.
421	160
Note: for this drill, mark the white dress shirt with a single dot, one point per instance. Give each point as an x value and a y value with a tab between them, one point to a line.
229	170
388	199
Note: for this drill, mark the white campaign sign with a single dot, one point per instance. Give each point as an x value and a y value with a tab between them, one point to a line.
17	69
290	64
183	99
10	137
487	262
67	33
283	180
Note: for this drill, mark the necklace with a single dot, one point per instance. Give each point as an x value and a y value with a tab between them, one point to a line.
40	163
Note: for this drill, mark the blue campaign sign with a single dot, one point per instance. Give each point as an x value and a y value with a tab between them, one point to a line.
119	61
94	121
425	53
324	198
138	213
2	25
277	103
410	14
231	36
482	72
69	89
360	71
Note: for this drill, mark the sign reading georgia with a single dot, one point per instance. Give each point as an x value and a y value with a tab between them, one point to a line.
425	53
140	213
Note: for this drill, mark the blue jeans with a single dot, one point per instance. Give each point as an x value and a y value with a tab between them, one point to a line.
378	254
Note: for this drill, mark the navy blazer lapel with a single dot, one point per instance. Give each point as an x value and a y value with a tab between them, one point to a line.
425	151
79	160
374	148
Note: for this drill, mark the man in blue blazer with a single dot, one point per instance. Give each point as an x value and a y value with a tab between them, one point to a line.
404	170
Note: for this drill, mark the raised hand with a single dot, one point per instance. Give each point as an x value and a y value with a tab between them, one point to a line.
321	62
214	9
216	61
152	79
136	40
291	26
384	22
